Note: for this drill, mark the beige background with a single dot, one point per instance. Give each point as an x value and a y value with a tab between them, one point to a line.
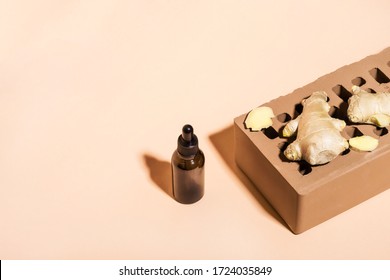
93	95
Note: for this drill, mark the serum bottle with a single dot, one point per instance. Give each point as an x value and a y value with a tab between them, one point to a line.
188	168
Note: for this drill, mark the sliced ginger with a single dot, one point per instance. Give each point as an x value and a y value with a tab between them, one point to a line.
259	118
363	143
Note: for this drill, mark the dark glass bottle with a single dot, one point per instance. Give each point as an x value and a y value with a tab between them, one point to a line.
188	168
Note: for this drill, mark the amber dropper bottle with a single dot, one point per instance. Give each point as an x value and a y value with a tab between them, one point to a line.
188	168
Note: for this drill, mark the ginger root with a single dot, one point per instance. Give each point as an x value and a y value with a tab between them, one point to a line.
259	118
363	143
371	108
318	134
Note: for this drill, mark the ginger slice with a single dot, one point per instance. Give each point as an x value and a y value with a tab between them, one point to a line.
363	143
259	118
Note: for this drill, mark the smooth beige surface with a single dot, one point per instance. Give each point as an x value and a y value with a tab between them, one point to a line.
93	95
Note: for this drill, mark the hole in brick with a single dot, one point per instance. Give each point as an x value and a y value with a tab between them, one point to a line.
358	81
283	117
381	131
304	168
283	145
298	110
334	112
270	132
379	76
370	90
339	113
342	112
352	131
342	92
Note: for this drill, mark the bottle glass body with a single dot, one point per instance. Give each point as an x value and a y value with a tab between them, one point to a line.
188	177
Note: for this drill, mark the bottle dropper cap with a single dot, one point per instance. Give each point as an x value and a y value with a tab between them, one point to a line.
187	143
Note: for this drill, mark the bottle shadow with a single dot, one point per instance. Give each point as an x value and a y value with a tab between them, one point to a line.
160	173
223	141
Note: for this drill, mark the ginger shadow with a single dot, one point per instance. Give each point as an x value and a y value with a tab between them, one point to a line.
160	173
223	141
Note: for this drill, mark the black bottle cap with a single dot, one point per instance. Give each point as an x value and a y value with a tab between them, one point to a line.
187	143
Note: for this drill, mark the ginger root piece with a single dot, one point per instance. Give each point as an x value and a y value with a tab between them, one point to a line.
318	134
363	143
371	108
259	118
